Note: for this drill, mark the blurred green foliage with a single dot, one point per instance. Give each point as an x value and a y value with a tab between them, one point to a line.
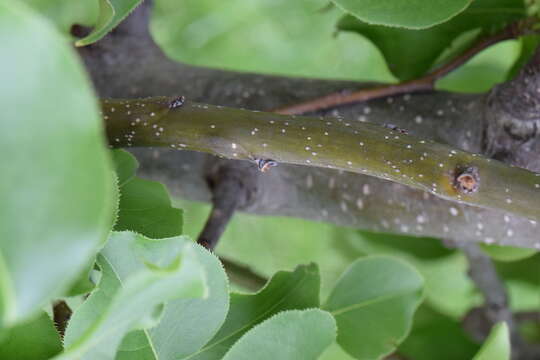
296	38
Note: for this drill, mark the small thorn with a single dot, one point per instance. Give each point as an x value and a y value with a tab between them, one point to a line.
177	102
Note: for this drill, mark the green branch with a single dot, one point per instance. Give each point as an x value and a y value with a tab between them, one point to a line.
383	152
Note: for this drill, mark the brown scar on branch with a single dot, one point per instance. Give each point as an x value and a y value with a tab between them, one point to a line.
467	179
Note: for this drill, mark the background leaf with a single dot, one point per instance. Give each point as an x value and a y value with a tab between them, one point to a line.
138	275
412	14
289	335
36	339
111	13
285	290
56	188
145	206
408	62
528	43
437	336
125	165
373	303
507	253
497	345
65	13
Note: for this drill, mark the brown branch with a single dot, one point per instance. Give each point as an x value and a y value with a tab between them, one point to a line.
424	83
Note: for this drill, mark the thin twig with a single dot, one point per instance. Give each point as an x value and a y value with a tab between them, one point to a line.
424	83
232	187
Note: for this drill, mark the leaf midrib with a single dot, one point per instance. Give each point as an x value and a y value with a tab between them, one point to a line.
372	301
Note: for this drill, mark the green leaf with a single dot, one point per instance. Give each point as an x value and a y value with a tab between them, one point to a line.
36	339
411	53
524	270
497	345
289	335
145	206
436	336
125	165
375	300
111	13
65	13
191	323
83	284
285	291
420	247
411	14
56	186
507	253
528	44
138	276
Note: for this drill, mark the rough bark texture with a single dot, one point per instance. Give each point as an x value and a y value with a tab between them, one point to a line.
128	64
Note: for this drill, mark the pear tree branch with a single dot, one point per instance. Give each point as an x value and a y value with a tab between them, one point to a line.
128	64
364	148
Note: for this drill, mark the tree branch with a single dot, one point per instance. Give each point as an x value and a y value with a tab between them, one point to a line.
127	63
323	142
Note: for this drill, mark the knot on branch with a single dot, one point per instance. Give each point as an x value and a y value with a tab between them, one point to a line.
467	180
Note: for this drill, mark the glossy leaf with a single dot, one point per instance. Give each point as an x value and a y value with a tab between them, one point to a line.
36	339
412	14
289	335
56	186
186	324
497	345
406	61
145	206
284	291
138	276
374	302
111	13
